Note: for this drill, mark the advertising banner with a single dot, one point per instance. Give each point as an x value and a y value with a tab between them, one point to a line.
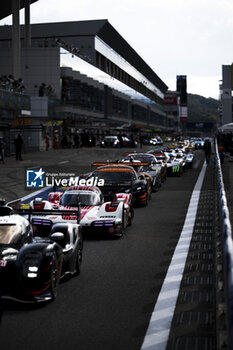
183	114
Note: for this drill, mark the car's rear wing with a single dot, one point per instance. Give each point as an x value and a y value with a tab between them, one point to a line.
53	212
129	153
157	154
132	164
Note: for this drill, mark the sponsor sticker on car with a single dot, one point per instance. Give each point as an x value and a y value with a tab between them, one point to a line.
176	169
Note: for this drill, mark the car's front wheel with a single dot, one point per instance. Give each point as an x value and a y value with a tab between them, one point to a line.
131	215
120	233
79	256
145	202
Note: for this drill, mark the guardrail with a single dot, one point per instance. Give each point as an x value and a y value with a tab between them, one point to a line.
227	248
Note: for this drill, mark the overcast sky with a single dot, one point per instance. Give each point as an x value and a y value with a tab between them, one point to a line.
175	37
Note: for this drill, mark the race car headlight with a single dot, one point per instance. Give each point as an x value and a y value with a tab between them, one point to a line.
139	188
33	268
127	191
32	271
32	275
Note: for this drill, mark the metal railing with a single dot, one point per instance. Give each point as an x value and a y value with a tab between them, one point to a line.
226	231
14	100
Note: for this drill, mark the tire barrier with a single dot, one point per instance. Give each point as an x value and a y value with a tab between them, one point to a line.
226	236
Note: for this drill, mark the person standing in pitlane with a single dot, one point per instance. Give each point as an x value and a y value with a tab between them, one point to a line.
207	149
18	147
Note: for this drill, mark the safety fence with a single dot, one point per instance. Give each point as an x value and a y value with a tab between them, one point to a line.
226	231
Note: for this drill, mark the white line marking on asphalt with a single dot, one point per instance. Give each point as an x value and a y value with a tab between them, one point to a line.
159	327
34	167
64	162
34	193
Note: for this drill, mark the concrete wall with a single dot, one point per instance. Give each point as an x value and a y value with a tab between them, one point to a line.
41	65
6	66
39	106
38	65
227	76
226	109
226	96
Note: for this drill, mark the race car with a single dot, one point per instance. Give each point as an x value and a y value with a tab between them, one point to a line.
95	214
162	159
175	163
149	165
46	223
182	158
168	156
156	140
122	178
117	141
110	141
189	157
31	266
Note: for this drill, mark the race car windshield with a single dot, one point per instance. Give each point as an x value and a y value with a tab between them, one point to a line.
115	176
141	158
84	199
111	138
139	168
9	233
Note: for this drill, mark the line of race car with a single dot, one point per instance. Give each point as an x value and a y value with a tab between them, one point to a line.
42	244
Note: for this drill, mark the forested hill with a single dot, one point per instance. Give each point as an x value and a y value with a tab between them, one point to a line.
201	109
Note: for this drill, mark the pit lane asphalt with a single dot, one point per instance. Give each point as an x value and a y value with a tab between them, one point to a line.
109	305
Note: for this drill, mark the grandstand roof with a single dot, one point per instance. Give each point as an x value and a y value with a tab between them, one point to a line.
105	31
71	31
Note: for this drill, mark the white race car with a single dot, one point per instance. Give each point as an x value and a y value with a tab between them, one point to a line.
175	165
189	159
95	214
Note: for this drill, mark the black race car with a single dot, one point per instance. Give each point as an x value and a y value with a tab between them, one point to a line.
110	141
117	141
121	178
149	165
32	263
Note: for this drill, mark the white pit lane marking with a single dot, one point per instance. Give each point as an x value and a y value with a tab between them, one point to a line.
64	162
34	167
159	327
29	196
